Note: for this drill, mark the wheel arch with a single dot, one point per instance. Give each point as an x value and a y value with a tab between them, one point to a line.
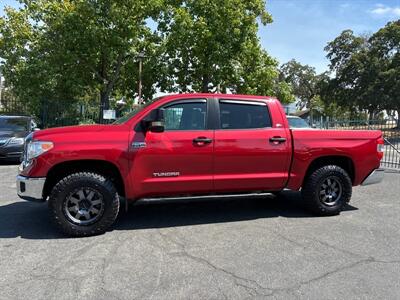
101	167
345	162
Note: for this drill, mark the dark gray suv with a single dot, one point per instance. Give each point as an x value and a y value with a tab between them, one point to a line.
13	130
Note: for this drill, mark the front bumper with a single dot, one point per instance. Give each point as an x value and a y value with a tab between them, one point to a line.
11	152
376	176
30	189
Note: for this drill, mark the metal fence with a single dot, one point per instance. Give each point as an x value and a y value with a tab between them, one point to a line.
390	130
55	115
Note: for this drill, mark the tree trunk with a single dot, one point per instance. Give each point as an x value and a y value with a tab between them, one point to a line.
205	83
104	103
398	119
371	114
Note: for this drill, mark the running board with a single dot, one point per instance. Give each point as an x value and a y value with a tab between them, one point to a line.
222	196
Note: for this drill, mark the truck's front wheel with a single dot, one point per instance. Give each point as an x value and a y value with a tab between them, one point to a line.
84	204
327	190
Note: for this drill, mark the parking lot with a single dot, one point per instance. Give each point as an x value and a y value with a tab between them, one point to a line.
211	249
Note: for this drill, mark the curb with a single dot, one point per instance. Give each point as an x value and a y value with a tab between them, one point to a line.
392	171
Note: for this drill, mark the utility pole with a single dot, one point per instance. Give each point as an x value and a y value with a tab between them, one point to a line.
140	57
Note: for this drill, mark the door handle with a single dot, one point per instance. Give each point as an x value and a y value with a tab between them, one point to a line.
202	140
277	140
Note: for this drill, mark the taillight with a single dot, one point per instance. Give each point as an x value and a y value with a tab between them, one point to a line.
380	147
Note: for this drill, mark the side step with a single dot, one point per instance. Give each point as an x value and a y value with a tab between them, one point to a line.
206	197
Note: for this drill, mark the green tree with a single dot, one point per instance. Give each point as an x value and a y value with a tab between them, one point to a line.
305	82
257	73
62	50
354	71
366	70
385	50
211	44
56	53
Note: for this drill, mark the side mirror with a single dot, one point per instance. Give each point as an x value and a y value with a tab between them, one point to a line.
155	121
157	126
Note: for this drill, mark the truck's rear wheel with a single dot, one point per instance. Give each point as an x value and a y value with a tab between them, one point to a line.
84	204
327	190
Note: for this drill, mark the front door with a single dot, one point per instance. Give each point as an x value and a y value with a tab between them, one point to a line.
251	154
178	160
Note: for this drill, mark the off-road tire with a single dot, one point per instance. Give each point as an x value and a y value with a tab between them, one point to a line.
313	185
75	181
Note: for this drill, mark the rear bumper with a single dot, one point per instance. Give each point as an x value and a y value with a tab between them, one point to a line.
30	189
376	176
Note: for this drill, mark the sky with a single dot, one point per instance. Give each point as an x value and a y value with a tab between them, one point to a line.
302	28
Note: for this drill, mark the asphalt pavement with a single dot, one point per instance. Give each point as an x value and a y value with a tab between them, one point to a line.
259	247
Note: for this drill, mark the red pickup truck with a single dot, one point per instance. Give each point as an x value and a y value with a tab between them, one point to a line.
190	145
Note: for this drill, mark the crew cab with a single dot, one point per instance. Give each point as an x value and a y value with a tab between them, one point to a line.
191	145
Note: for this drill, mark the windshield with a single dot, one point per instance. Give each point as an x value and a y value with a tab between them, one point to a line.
135	111
298	123
14	124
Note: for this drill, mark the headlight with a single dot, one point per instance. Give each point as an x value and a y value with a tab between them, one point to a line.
16	141
36	148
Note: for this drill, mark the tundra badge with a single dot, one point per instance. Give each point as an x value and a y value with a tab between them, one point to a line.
166	174
138	145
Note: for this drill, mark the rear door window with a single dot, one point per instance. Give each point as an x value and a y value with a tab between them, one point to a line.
243	115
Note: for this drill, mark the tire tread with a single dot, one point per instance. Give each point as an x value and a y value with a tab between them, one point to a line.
80	231
309	190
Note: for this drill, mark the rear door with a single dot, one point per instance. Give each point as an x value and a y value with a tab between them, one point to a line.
252	150
178	160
